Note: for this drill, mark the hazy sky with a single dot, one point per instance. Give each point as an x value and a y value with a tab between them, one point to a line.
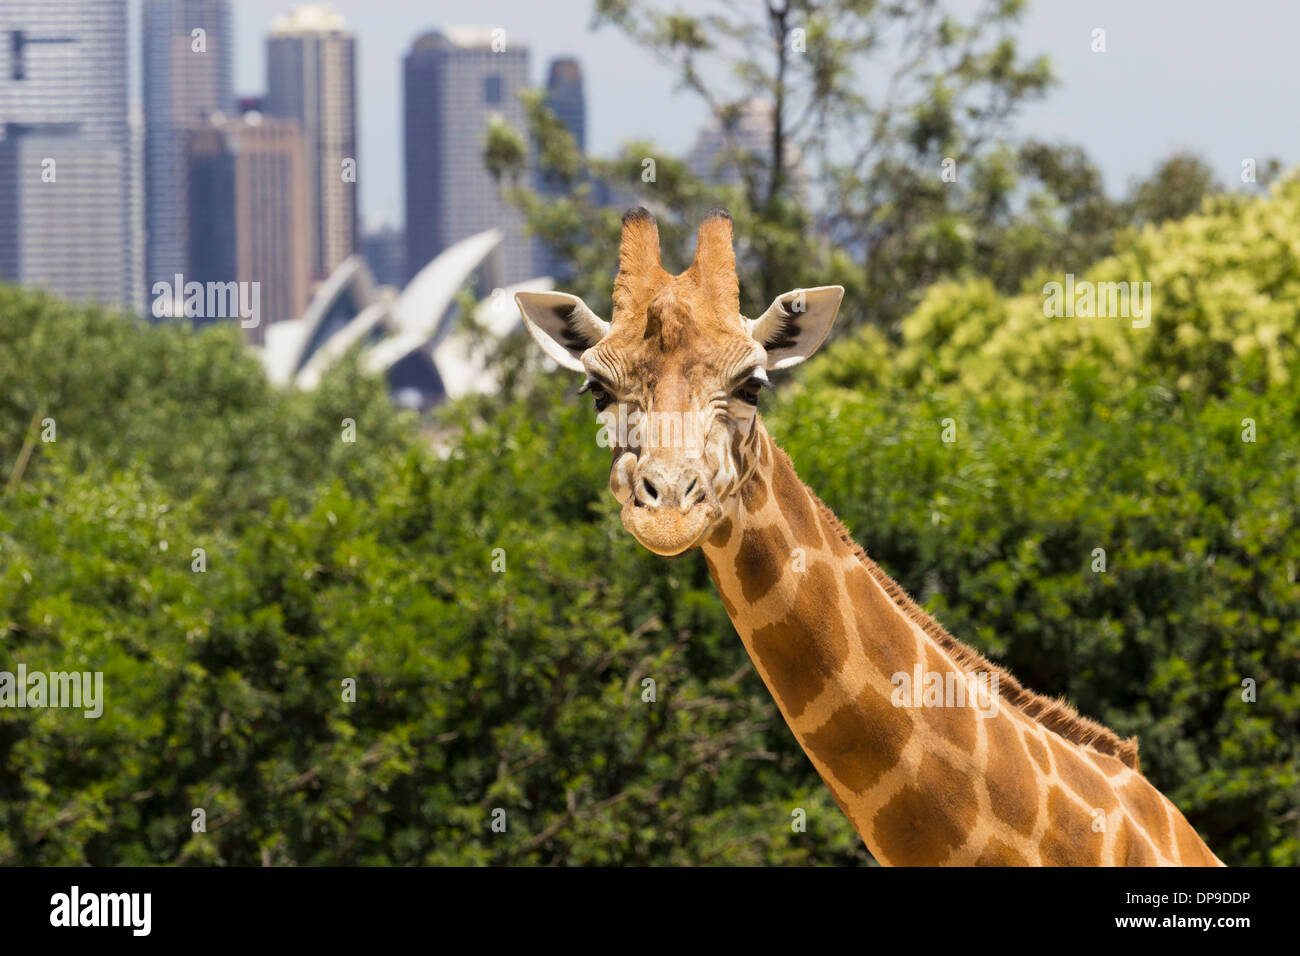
1217	77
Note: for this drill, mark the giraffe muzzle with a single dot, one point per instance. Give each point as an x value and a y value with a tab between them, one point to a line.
669	506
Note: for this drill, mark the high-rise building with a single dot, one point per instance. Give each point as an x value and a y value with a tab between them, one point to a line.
69	206
456	81
62	233
723	148
566	99
187	74
310	64
248	176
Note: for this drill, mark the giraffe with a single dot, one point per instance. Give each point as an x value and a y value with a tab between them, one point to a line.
872	688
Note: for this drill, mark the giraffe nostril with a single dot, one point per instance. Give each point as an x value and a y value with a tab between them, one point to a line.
694	484
652	493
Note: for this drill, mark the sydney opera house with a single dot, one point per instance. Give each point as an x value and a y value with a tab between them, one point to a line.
417	337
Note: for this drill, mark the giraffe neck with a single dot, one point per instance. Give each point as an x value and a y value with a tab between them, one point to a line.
948	777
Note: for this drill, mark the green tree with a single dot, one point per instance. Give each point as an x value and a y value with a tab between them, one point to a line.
951	84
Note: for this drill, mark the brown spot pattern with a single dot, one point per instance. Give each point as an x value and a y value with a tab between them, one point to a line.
1191	851
1147	807
1038	751
1107	764
861	740
722	592
796	506
1070	839
1010	778
720	535
762	559
923	823
998	853
887	640
754	494
1131	849
1081	777
807	647
954	724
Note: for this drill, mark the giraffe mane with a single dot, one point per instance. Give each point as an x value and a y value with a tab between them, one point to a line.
1056	714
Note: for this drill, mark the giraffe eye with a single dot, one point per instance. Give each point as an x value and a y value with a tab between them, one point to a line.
748	393
601	397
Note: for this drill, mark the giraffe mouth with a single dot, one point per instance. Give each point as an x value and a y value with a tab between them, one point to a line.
669	533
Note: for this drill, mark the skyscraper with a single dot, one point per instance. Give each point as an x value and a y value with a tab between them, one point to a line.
69	207
248	176
721	150
455	82
310	64
187	70
64	233
566	99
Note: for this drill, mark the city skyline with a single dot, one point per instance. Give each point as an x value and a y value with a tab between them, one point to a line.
190	185
371	164
1129	107
250	202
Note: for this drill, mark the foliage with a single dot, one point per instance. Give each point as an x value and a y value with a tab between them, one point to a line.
996	534
1224	287
887	168
374	561
194	411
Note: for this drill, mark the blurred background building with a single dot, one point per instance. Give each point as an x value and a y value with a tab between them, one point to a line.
415	336
454	84
250	211
727	147
310	77
566	98
130	204
187	72
384	248
71	214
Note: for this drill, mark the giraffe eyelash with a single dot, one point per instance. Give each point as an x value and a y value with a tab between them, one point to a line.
749	390
599	393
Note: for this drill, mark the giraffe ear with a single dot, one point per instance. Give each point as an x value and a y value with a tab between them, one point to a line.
796	324
562	325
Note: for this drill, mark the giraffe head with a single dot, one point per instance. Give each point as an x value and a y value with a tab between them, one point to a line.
676	374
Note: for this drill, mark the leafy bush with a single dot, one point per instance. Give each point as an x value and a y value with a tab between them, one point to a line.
476	689
1225	286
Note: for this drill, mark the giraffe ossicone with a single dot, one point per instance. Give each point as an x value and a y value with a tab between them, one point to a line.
676	374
